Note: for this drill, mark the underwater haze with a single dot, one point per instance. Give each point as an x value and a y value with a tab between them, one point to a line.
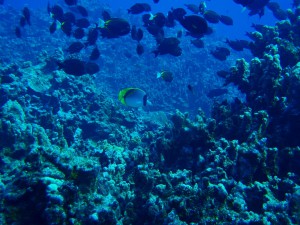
150	112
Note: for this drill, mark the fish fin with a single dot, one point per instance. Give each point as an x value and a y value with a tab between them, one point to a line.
145	100
151	16
58	25
158	75
101	23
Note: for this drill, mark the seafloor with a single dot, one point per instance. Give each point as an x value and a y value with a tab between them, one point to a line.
72	154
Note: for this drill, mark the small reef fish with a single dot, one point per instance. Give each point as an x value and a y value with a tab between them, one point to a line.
133	97
165	75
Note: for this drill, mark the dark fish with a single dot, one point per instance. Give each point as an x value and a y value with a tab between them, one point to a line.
192	7
114	28
75	47
95	54
196	25
223	73
168	46
170	20
92	36
139	49
83	12
139	35
105	15
237	45
70	17
66	27
158	19
22	21
53	27
278	13
217	92
178	13
71	2
1	2
296	3
255	6
211	16
139	8
82	23
18	32
198	43
72	66
190	88
202	7
220	53
146	19
226	20
244	3
165	75
156	31
91	68
26	14
155	1
57	13
78	33
136	34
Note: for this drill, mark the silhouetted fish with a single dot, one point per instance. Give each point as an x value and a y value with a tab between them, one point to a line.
114	28
71	2
26	14
74	67
168	46
18	32
105	15
78	33
83	12
82	23
211	16
70	17
91	68
95	54
139	8
217	92
92	36
57	13
75	47
178	13
22	21
198	43
226	20
220	53
196	25
192	7
139	49
238	45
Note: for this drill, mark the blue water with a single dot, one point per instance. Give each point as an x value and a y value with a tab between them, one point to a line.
201	75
